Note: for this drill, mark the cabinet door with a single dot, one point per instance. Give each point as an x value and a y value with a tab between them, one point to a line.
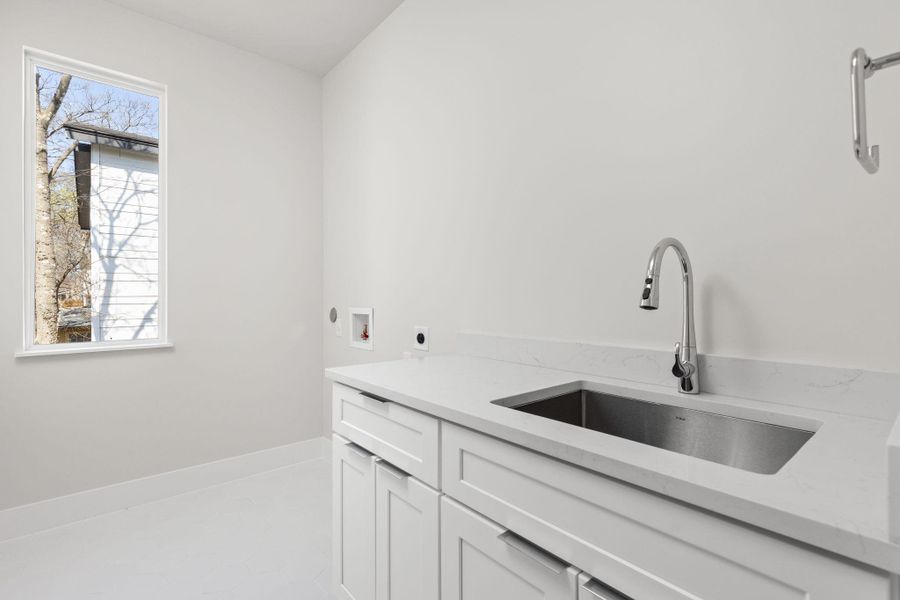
353	483
407	534
481	560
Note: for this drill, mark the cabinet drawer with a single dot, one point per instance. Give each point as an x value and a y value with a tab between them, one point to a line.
404	437
482	561
637	542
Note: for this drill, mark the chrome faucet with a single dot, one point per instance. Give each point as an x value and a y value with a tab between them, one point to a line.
686	367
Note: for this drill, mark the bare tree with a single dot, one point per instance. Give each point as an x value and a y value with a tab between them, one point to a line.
46	307
71	244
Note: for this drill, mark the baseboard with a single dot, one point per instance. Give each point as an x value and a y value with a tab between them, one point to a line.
47	514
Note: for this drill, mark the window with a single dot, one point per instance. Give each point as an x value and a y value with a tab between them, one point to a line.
94	208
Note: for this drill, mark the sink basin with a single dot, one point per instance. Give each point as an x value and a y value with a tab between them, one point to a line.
742	443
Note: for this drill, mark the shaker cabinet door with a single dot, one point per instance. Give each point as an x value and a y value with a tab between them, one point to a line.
353	554
407	534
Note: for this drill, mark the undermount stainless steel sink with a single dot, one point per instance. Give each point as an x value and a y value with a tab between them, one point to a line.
742	443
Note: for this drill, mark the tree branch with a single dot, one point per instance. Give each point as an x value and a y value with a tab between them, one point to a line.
62	158
61	280
76	116
61	89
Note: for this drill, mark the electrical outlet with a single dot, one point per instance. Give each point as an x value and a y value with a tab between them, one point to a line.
420	339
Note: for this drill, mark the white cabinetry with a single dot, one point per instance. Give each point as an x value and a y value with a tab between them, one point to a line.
407	531
386	522
481	560
543	529
640	543
353	484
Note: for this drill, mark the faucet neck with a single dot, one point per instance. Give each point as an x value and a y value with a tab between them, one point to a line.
688	337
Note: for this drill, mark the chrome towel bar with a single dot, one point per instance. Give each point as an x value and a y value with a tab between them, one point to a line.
861	68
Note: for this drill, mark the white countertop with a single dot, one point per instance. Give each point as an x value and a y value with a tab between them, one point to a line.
832	494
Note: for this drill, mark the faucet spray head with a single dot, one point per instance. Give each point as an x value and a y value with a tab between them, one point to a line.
650	295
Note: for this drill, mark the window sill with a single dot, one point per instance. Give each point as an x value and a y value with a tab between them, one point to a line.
91	347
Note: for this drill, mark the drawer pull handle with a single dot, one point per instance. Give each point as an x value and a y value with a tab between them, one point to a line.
533	552
600	591
373	397
394	471
358	450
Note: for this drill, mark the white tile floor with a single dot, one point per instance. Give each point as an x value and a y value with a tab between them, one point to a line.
263	537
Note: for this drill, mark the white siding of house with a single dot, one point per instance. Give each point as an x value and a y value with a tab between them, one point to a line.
124	244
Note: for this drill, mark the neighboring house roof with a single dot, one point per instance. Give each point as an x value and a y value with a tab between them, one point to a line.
94	134
74	317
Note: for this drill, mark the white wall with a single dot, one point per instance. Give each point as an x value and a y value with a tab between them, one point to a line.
245	251
507	165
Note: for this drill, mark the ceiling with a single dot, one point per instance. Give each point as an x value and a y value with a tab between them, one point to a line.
313	35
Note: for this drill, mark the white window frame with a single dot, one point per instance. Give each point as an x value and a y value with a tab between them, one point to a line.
34	58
